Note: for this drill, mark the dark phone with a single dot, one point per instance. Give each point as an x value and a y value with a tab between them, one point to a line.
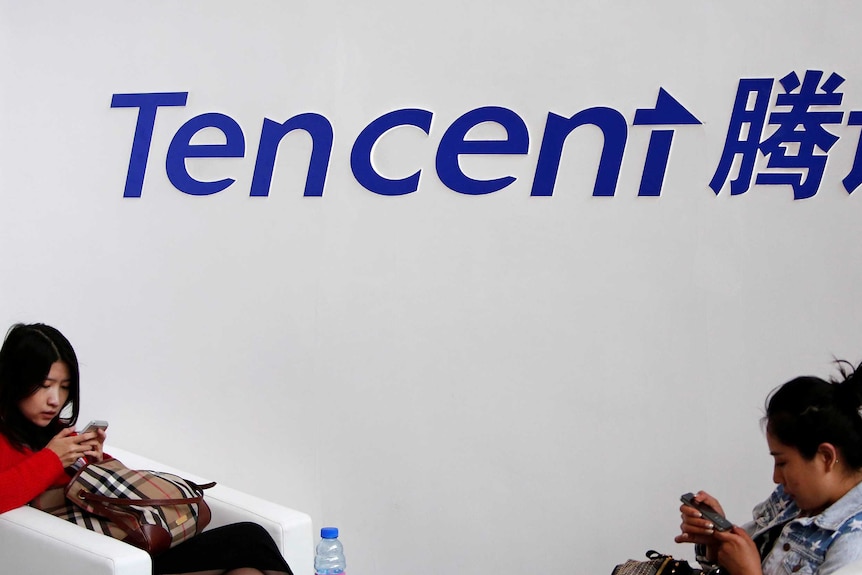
718	520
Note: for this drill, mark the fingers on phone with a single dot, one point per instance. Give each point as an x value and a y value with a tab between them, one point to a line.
689	511
697	524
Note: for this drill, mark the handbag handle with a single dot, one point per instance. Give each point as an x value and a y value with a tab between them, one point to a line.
83	495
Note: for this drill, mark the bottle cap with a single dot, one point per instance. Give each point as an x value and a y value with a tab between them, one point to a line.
329	532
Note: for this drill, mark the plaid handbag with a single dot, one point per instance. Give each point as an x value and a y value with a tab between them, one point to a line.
151	510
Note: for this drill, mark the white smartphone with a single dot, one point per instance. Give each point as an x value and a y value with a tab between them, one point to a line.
96	424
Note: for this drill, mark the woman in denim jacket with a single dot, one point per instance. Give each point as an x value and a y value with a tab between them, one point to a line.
812	522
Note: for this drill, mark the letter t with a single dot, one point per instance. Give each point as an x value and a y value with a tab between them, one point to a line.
147	104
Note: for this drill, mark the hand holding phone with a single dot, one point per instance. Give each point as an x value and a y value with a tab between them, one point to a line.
95	452
718	520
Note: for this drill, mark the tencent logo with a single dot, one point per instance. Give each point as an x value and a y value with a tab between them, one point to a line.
789	133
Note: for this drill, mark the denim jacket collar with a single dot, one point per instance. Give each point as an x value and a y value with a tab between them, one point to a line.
779	508
837	513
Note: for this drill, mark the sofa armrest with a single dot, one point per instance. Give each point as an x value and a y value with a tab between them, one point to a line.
37	543
291	529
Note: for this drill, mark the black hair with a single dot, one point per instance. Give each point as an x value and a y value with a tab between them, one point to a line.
808	411
25	361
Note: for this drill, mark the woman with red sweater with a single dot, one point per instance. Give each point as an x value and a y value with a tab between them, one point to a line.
39	394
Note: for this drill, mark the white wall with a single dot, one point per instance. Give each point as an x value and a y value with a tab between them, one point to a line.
462	384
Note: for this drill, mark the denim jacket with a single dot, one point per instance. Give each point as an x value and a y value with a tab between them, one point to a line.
817	545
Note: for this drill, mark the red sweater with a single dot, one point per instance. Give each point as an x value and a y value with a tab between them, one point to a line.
24	474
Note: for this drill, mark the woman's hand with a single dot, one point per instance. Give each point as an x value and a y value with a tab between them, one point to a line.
70	447
696	528
95	455
737	552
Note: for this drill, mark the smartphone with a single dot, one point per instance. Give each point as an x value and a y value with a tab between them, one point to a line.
96	424
718	520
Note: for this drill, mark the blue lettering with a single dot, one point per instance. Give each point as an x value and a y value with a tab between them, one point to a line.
182	148
655	164
667	111
854	179
147	105
320	130
360	156
557	128
453	145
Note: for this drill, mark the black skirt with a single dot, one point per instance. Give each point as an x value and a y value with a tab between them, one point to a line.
229	547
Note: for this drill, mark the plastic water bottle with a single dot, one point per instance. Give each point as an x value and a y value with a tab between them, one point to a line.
329	554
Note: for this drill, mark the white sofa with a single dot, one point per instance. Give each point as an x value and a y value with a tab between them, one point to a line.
36	543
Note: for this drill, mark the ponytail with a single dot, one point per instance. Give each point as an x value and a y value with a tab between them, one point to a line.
808	411
848	389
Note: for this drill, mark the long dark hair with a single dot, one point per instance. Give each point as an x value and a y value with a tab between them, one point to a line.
808	411
25	360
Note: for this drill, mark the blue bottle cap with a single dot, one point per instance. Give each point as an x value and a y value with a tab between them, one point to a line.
329	533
